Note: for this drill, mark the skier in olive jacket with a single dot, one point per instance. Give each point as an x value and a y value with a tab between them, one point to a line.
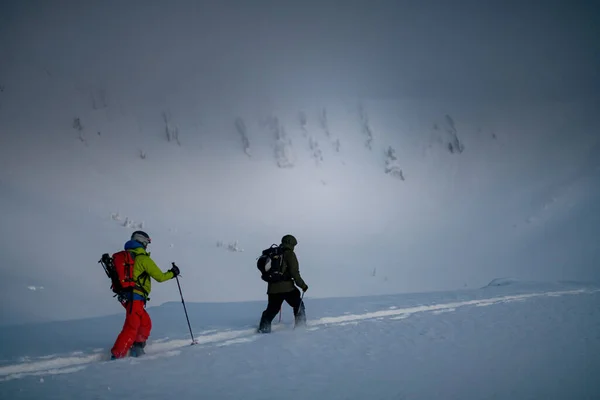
285	290
138	324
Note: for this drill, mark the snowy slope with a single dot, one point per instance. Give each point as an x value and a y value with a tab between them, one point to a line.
351	217
509	340
220	148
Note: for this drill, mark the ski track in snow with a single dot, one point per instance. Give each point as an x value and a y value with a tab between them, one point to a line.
77	361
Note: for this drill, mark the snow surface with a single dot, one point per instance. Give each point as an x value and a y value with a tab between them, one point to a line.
511	341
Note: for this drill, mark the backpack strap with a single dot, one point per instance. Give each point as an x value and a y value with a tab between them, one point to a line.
284	267
143	277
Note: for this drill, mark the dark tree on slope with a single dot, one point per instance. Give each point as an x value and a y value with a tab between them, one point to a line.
283	151
240	126
98	98
454	145
337	145
284	155
369	142
366	128
316	152
171	131
324	122
392	166
271	123
77	125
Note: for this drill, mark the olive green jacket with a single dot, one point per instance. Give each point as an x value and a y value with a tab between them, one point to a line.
290	268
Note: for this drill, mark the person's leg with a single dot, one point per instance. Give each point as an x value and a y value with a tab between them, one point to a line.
273	307
294	299
145	326
130	328
142	334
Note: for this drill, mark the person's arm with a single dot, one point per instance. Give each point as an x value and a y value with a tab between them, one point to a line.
152	269
294	267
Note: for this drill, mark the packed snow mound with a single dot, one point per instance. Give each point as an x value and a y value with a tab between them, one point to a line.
503	282
525	285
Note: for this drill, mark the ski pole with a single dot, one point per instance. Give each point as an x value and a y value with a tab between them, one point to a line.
184	309
301	305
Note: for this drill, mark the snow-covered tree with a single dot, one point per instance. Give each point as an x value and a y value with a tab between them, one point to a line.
98	97
392	166
366	128
284	153
324	122
454	145
171	130
283	150
337	145
243	131
316	152
234	247
271	123
78	126
369	142
129	223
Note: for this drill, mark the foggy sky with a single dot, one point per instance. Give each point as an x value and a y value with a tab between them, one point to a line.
499	49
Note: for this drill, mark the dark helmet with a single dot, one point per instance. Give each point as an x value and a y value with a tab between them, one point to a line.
141	237
289	240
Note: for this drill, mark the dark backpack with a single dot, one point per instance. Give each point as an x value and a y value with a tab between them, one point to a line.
119	269
271	265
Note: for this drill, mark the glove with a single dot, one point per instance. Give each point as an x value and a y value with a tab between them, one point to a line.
305	288
175	270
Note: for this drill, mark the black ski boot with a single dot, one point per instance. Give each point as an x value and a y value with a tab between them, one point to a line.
137	349
264	327
300	322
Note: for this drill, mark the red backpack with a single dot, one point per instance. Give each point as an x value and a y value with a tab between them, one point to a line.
119	268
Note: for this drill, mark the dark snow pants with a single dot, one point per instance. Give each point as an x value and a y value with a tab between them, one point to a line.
276	300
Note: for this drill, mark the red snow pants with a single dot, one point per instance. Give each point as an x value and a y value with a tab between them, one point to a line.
136	328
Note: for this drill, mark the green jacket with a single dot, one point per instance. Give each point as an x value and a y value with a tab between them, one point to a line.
145	268
291	268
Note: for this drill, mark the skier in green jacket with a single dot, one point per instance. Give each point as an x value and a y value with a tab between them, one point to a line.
138	324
